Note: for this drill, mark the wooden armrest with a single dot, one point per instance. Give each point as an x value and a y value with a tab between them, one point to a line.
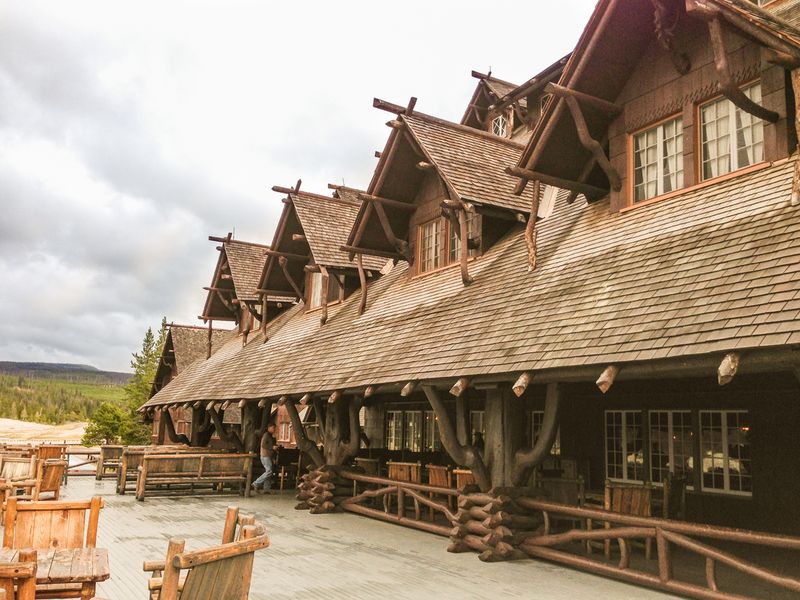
153	565
155	583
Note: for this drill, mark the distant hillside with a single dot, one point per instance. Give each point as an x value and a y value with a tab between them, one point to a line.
63	372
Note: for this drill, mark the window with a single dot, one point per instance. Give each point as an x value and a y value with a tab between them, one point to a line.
412	435
394	429
473	226
624	445
476	422
725	451
315	290
439	244
500	125
671	445
731	138
658	160
433	442
430	254
284	432
536	421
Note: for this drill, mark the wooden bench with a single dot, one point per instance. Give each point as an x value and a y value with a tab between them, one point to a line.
182	474
220	572
53	525
131	460
108	461
232	531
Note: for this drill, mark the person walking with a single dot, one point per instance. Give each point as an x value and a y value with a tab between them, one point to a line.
267	456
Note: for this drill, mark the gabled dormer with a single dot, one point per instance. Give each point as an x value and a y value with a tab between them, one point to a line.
306	260
508	110
662	96
439	196
233	294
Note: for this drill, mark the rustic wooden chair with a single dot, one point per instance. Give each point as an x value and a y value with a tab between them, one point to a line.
50	525
674	505
221	572
441	477
402	471
18	579
46	485
52	451
232	531
108	461
628	499
565	491
464	477
17	468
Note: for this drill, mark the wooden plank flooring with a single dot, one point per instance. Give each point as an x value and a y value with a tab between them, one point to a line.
331	557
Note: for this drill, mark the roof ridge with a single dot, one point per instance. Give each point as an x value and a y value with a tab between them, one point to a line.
465	129
199	327
484	76
232	241
328	198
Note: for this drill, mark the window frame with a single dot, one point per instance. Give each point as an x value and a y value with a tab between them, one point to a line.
506	128
536	422
447	233
670	412
642	415
726	490
658	126
311	286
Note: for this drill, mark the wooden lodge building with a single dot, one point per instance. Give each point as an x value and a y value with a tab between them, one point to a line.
607	288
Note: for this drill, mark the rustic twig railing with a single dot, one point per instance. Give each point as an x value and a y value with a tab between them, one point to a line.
418	492
666	533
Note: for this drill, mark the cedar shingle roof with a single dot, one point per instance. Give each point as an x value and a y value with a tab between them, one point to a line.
246	262
500	88
471	161
326	223
190	343
711	270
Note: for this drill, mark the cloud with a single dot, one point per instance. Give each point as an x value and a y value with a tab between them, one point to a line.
129	132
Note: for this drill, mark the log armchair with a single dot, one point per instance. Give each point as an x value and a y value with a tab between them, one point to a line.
45	486
18	579
232	531
220	572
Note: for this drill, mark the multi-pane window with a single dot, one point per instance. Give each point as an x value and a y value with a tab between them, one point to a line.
394	430
730	137
284	432
537	422
440	244
316	289
624	445
412	434
500	126
671	444
431	238
473	226
658	160
433	441
725	451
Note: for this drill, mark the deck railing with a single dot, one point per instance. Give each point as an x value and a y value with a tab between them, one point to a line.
389	490
667	533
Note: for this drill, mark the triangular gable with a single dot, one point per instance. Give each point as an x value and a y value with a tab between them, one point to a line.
488	92
618	34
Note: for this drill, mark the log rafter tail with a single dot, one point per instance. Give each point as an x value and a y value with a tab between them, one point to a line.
524	460
607	378
462	454
305	444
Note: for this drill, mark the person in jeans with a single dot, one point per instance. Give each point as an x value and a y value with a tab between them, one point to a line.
267	455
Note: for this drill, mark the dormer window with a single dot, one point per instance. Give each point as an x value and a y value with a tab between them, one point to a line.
658	160
439	244
731	138
500	126
315	290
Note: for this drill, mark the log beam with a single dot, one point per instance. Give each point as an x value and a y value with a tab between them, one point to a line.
530	227
727	368
591	144
408	389
404	206
524	460
362	280
466	278
400	245
607	377
283	262
604	106
371	252
326	282
303	442
590	191
460	386
521	384
288	255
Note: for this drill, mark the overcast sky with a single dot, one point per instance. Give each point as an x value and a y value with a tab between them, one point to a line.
130	131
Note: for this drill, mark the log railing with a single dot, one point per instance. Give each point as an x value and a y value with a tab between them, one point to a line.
388	489
666	533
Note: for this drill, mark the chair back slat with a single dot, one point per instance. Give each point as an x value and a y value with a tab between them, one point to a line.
629	498
52	474
17	468
402	471
439	476
51	524
220	580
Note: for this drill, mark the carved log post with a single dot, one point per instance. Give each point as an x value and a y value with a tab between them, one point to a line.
303	442
251	431
162	427
227	436
201	427
169	427
527	459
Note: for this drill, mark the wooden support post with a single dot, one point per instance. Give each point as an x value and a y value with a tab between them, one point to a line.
460	386
282	261
303	442
524	460
208	345
591	144
466	278
400	245
665	20
607	377
795	198
604	106
264	319
326	281
373	199
727	85
727	368
530	228
169	425
362	279
591	192
521	384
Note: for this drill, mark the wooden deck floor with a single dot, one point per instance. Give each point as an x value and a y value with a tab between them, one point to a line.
323	556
